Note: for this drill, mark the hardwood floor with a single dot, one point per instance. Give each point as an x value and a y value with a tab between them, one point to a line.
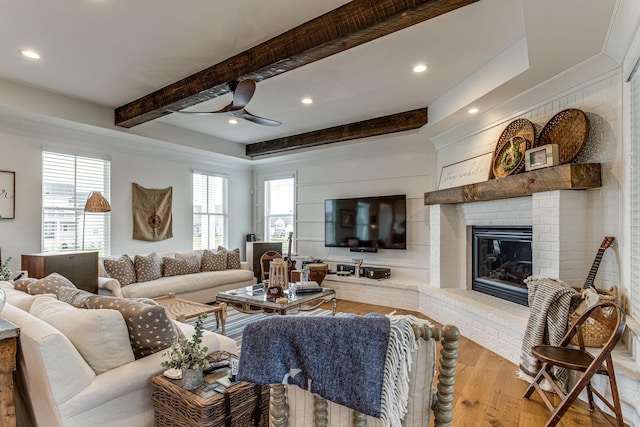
487	391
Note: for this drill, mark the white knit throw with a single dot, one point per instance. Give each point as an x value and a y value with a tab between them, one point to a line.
395	389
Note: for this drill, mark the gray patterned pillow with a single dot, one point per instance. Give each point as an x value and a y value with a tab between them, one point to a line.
22	284
121	269
214	261
148	267
233	258
49	284
74	297
150	328
176	267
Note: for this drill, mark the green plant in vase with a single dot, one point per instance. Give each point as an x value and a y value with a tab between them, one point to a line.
5	272
189	356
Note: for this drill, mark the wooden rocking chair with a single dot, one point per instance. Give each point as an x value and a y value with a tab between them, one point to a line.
579	359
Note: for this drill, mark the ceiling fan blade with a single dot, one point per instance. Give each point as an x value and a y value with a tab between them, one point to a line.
225	109
256	119
242	94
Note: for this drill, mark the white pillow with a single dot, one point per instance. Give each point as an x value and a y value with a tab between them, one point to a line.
99	335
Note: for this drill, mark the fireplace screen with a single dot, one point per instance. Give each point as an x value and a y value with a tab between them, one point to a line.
501	262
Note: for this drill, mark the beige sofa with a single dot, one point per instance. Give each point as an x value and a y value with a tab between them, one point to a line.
200	287
56	386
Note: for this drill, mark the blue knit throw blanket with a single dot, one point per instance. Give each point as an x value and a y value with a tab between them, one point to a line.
339	358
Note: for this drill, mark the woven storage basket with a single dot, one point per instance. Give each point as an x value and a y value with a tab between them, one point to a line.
238	407
594	333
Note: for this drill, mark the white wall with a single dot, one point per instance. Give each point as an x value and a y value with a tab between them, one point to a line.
394	164
21	144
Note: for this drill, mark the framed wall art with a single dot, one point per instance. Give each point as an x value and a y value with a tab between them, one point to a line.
470	171
7	195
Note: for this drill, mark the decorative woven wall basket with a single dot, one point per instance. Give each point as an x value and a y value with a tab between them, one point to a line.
569	129
594	333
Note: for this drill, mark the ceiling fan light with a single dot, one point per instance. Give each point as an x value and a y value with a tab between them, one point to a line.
307	100
420	68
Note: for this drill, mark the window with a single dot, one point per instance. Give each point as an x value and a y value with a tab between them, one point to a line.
634	162
279	206
67	181
209	211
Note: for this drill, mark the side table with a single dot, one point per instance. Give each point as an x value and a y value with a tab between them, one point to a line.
8	343
240	405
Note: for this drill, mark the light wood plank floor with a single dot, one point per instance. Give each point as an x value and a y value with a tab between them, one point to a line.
487	392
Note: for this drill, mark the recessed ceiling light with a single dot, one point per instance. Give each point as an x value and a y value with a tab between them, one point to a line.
30	53
307	100
473	110
420	68
233	122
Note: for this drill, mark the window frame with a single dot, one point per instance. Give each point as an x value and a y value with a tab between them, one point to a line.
51	229
266	217
224	214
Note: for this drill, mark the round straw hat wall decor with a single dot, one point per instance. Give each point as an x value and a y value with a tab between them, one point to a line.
570	130
516	138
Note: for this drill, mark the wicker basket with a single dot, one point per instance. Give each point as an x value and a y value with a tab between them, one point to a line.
242	405
594	333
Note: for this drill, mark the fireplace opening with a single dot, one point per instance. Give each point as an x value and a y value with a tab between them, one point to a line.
501	261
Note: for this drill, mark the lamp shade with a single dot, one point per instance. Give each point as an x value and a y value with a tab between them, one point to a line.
97	203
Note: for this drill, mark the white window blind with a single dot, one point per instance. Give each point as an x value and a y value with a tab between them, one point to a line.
209	211
279	204
634	296
67	181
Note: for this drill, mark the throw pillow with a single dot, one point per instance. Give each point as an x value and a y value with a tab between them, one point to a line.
49	284
121	269
233	258
213	261
176	267
22	284
150	328
100	336
75	297
148	267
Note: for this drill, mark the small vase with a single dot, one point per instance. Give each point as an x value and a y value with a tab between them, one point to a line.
3	299
191	378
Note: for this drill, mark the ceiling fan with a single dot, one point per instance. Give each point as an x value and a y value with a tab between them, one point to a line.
242	94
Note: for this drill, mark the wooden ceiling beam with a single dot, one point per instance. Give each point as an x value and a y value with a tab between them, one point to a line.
350	25
398	122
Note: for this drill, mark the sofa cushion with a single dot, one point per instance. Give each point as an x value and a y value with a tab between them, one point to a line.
233	258
147	267
49	284
21	299
177	267
213	261
22	284
150	328
121	269
100	336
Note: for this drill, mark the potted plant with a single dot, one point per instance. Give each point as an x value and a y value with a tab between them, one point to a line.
189	356
5	272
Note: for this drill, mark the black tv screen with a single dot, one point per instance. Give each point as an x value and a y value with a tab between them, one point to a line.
366	222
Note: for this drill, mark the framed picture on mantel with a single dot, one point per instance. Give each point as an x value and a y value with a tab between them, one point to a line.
470	171
7	195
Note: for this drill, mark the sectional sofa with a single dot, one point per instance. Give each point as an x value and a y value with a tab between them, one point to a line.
77	366
193	275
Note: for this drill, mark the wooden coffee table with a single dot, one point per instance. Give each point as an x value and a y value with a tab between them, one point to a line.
253	299
182	309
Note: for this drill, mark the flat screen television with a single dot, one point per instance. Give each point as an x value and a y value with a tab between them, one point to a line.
366	222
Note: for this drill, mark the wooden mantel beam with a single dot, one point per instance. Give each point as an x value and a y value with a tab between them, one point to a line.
379	126
350	25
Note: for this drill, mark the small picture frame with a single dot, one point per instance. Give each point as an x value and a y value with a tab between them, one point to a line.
541	157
